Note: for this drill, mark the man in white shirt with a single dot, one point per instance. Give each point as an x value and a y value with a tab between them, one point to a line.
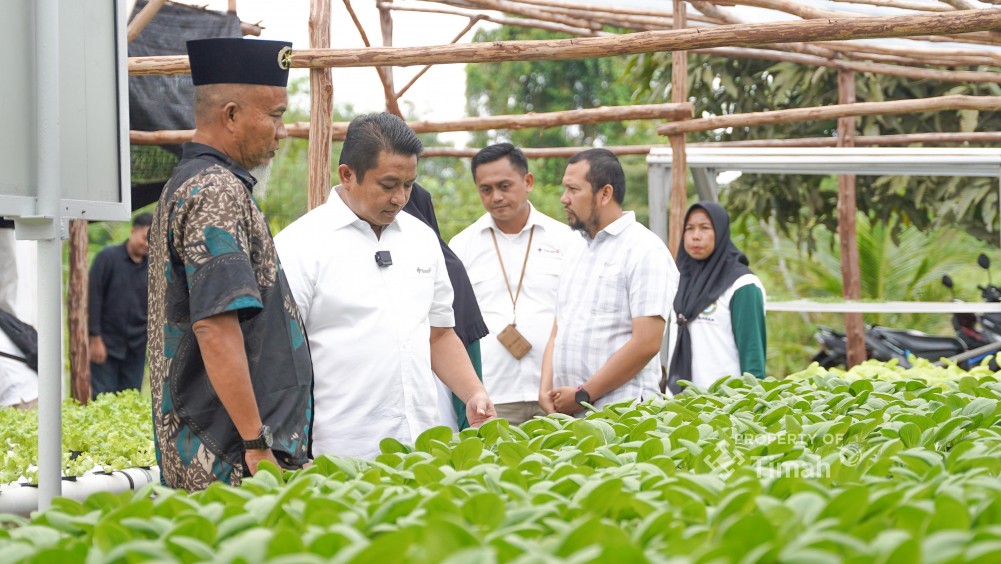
613	299
372	289
514	255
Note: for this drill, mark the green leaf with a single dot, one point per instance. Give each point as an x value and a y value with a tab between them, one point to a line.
485	509
424	440
467	453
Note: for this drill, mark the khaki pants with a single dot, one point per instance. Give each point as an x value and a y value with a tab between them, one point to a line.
33	404
518	412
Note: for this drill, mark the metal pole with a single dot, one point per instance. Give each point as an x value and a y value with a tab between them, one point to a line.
49	254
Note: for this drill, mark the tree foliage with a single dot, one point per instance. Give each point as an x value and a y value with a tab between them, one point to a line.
719	86
550	86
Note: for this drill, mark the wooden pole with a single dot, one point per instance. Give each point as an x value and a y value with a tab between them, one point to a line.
77	313
679	161
958	102
745	35
850	275
143	18
321	106
386	73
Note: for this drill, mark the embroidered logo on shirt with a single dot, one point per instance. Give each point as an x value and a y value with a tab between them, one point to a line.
707	314
423	270
548	251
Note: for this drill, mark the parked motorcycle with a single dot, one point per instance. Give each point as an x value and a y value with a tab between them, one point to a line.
973	332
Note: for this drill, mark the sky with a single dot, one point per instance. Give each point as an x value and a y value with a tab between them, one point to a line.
438	95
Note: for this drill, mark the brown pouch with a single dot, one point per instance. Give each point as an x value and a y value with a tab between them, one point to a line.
514	342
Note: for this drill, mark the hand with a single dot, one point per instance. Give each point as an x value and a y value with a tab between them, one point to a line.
254	456
479	409
546	402
564	402
98	353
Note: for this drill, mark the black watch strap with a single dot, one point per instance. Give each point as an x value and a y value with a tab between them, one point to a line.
263	441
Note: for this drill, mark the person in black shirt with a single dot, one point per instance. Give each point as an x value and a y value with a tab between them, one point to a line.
117	312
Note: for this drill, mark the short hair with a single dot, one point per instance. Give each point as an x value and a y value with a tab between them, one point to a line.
142	220
370	134
498	151
605	168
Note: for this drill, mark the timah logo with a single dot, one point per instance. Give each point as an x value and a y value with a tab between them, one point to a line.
423	270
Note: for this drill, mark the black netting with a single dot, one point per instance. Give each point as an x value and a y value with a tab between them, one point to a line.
165	102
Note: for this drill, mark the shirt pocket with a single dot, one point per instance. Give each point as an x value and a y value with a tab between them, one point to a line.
610	294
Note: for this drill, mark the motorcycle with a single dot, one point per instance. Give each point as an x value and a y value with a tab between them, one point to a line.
968	347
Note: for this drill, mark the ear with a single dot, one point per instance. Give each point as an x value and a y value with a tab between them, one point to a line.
346	175
606	194
229	115
529	181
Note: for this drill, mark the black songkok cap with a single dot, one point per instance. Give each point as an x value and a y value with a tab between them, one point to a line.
232	60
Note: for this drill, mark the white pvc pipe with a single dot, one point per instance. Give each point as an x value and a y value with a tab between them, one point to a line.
50	255
21	499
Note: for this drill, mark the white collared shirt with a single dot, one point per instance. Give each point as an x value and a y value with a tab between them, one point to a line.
626	272
506	378
368	326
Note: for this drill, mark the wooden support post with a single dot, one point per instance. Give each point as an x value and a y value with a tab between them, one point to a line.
77	313
679	161
321	106
143	18
851	278
386	73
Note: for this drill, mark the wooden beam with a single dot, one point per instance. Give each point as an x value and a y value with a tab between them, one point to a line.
859	66
902	4
523	121
851	279
543	153
517	22
679	161
513	8
321	107
76	308
143	18
983	103
746	35
860	141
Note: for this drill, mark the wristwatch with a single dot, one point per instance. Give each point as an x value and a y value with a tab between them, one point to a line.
582	396
263	441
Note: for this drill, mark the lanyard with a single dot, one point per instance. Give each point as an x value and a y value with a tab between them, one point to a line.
514	295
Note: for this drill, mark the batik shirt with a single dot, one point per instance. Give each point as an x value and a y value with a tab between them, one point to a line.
211	252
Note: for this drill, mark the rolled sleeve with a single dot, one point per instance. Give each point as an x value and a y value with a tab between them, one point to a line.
211	240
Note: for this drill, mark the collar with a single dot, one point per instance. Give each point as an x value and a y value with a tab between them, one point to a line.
341	215
192	150
535	218
615	228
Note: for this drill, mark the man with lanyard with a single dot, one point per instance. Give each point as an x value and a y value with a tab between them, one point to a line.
612	302
372	286
230	370
514	255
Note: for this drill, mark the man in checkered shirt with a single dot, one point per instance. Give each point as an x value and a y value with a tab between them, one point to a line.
613	298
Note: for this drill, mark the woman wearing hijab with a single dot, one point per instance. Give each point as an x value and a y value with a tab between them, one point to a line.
719	307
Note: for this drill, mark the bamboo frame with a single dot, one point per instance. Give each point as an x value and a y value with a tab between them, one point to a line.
860	141
745	35
541	120
941	103
321	103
